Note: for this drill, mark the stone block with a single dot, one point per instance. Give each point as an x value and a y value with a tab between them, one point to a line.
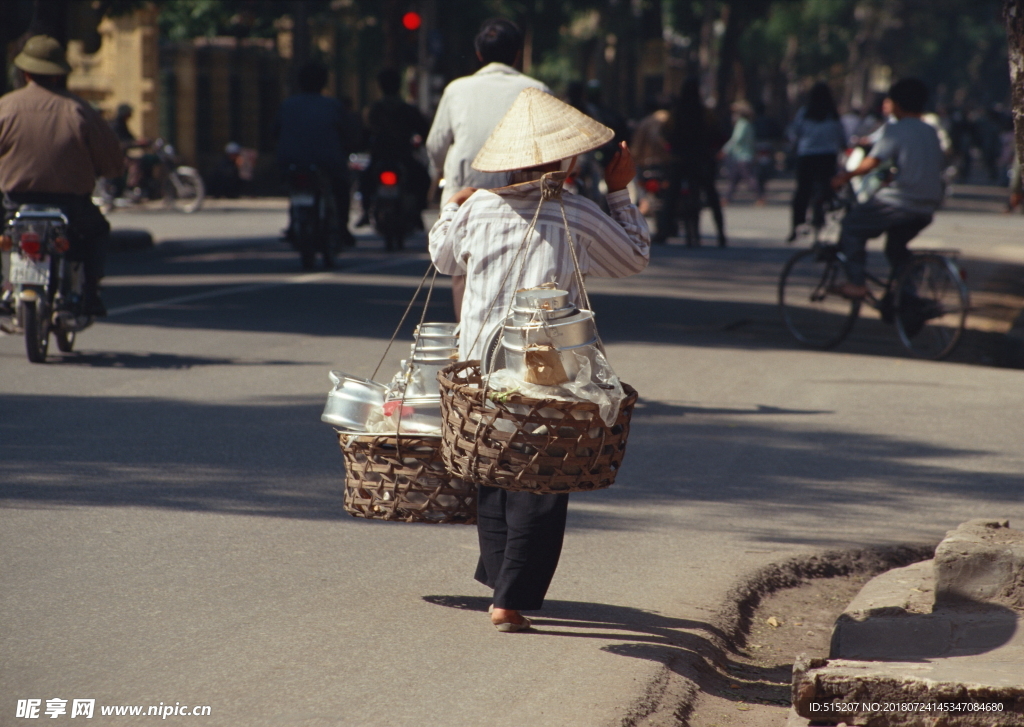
981	561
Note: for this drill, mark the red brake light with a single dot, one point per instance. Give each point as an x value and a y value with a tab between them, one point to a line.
30	246
411	21
388	179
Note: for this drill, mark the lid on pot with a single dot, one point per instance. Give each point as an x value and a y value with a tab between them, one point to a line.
436	329
542	298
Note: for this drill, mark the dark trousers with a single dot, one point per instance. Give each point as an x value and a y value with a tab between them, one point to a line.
88	229
814	174
699	182
871	219
520	542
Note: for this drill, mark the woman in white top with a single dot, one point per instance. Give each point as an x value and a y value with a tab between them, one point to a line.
818	136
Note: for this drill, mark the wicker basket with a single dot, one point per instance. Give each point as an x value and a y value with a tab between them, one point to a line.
408	484
517	443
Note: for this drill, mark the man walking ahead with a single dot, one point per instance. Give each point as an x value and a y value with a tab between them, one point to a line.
53	145
472	106
469	110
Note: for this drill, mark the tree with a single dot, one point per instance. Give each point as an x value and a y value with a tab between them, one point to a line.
1014	15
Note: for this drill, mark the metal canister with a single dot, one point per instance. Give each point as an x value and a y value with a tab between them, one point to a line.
351	402
575	334
537	304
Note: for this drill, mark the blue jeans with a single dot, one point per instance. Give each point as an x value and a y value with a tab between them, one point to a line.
871	219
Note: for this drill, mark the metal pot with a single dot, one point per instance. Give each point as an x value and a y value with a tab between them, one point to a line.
515	359
576	330
436	329
351	402
545	299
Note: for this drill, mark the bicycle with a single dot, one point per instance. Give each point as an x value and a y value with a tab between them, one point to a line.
927	301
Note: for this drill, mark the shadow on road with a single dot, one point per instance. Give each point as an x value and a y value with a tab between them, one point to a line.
121	360
785	476
371	309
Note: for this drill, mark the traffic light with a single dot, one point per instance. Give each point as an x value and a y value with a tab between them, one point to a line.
412	20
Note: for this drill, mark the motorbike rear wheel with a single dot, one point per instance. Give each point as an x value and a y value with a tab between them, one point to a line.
37	331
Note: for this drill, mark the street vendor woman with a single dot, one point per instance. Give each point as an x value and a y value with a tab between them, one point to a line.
479	235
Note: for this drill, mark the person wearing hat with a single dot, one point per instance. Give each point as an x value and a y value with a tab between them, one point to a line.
480	234
53	146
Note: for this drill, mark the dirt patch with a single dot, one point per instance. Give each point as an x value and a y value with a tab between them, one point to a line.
753	688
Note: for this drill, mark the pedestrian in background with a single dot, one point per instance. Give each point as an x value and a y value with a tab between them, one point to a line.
818	137
739	150
469	109
694	142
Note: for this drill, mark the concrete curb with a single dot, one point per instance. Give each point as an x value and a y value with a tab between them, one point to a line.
670	697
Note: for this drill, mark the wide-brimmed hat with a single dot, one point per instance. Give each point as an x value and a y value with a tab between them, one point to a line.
43	55
539	129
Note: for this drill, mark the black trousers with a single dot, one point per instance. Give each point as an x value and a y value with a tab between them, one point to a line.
814	174
520	543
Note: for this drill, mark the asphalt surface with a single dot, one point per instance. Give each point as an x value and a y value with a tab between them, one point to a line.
172	529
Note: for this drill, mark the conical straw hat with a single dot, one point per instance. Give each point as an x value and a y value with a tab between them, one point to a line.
539	129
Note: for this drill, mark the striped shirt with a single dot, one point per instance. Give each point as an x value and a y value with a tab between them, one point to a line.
480	240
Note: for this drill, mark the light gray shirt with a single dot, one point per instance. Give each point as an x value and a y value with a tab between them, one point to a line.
816	137
914	147
469	110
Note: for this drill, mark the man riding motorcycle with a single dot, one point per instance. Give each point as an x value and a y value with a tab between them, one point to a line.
53	146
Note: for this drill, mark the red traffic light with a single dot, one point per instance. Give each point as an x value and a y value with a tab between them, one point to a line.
411	21
388	179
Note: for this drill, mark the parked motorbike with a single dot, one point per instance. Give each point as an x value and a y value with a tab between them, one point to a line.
42	286
180	187
310	215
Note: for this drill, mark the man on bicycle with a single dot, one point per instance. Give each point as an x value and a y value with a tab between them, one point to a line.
905	206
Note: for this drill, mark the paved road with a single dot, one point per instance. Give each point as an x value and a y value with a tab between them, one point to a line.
173	530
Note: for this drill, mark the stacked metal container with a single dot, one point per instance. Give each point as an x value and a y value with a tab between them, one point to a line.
545	317
353	401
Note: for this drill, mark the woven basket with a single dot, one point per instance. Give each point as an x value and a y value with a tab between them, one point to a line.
410	484
517	443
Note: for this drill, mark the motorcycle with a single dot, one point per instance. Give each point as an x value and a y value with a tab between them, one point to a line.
310	213
393	206
180	187
43	287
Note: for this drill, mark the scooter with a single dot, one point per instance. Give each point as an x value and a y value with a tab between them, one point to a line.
310	210
43	288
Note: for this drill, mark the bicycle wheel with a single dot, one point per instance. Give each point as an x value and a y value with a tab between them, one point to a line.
816	317
186	191
931	304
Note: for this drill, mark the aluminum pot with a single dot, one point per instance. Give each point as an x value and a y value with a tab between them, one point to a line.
515	359
420	380
578	329
545	299
526	316
351	402
436	329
